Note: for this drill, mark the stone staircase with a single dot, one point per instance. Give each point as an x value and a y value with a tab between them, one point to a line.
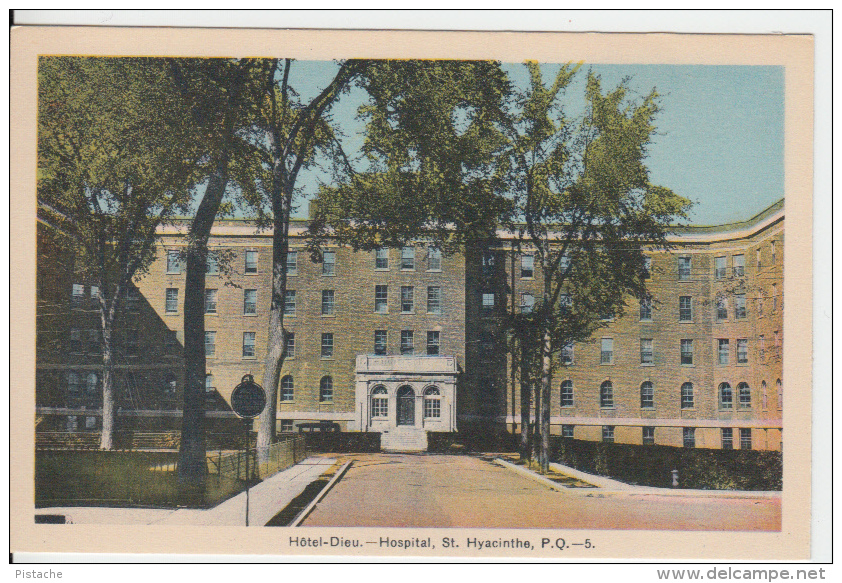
403	439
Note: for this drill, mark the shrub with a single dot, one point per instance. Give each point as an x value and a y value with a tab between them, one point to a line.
339	442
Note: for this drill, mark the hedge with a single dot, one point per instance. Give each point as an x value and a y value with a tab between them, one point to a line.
652	465
341	442
471	441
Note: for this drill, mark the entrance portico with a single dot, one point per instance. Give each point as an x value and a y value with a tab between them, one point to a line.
406	393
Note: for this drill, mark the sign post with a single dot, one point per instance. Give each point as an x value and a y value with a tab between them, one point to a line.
248	401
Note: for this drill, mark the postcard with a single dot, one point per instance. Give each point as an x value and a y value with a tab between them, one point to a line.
411	294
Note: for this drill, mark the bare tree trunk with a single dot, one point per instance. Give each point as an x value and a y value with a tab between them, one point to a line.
108	409
275	350
546	388
525	406
537	423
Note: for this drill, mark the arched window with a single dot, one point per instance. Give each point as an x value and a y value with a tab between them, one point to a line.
779	386
606	394
432	403
687	399
567	394
326	389
92	382
72	383
764	395
170	384
287	388
379	402
647	396
726	396
744	394
209	383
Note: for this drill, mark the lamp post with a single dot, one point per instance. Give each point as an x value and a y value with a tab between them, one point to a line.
248	401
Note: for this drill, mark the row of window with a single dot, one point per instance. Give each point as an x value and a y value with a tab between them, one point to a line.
288	389
175	261
688	397
688	436
380	403
686	350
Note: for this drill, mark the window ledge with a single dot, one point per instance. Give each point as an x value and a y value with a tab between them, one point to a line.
645	321
647	364
647	408
686	322
407	313
434	271
255	273
325	358
382	269
328	315
250	315
211	313
689	365
249	358
171	313
606	364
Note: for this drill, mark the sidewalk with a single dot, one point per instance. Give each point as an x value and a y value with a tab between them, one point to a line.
609	486
266	499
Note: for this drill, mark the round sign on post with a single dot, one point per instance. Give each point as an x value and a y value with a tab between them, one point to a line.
248	399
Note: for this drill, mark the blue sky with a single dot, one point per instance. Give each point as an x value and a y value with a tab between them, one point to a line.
719	142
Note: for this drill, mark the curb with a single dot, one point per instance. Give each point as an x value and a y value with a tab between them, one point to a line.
532	475
304	513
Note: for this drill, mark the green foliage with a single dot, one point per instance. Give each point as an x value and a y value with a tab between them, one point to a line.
431	136
115	159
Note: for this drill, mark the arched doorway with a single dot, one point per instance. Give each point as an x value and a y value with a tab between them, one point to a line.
406	405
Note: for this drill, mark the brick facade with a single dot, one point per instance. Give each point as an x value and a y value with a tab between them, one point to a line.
467	330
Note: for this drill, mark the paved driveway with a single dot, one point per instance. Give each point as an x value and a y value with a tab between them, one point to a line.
396	490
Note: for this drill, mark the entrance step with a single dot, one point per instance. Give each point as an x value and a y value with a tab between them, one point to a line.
403	440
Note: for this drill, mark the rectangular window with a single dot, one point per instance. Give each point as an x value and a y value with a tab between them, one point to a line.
774	298
132	299
94	293
381	258
407	342
289	302
567	354
248	344
172	341
328	302
488	263
742	351
250	302
292	262
289	343
684	267
724	351
739	262
745	438
210	343
686	351
173	262
721	308
251	261
606	351
76	341
607	434
759	307
774	250
287	389
567	431
740	306
433	259
381	299
94	345
527	266
727	438
211	264
646	309
647	267
527	301
689	435
759	260
685	309
434	300
407	299
488	303
432	407
565	302
172	300
433	340
567	394
380	341
761	347
328	263
408	258
648	435
327	345
131	342
720	267
286	425
647	355
564	264
210	301
78	293
647	395
777	343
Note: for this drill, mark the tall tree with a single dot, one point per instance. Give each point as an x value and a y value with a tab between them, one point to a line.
428	158
222	95
288	134
115	162
584	205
